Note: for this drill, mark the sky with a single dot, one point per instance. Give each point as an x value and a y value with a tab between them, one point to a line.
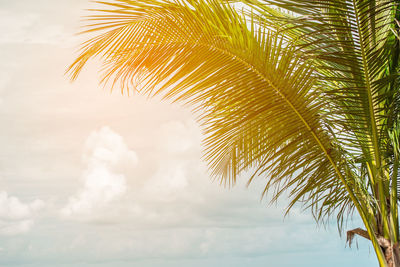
89	177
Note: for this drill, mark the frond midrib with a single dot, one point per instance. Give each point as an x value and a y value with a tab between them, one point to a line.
369	90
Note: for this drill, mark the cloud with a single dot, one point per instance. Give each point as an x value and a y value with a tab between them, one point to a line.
115	182
17	217
107	157
169	187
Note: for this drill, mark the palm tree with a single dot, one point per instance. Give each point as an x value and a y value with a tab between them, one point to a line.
304	93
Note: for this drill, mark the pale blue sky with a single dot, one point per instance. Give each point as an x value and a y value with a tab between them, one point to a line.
90	178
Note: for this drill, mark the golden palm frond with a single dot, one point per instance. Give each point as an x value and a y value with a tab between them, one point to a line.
259	105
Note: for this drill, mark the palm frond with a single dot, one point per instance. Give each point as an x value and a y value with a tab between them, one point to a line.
259	100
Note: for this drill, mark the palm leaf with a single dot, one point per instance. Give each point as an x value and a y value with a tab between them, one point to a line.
261	106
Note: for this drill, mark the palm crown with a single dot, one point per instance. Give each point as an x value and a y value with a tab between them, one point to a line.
303	93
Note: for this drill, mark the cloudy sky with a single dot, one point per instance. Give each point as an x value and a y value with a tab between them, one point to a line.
93	178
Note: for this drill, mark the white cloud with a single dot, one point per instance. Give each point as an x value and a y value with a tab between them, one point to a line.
100	188
107	157
107	148
17	217
170	186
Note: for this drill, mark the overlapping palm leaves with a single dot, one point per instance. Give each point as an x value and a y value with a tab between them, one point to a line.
306	96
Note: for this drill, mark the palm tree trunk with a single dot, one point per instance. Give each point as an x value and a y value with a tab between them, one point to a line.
392	255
